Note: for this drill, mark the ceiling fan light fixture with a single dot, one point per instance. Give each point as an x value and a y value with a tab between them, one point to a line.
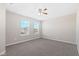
43	11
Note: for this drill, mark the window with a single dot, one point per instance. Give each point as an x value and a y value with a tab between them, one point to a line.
24	25
36	27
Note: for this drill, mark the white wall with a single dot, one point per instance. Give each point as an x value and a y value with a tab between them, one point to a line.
60	29
2	29
77	30
13	28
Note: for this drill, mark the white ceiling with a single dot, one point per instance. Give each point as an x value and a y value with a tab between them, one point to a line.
54	9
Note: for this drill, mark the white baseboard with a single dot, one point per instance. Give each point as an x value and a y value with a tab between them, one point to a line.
21	41
46	37
3	52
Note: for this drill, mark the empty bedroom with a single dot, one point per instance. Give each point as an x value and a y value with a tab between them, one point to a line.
39	29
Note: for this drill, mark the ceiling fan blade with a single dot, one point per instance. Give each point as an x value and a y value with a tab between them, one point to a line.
40	10
45	13
45	9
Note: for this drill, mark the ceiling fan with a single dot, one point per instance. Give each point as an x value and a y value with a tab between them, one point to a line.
43	11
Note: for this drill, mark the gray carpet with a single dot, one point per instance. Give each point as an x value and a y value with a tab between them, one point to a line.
42	47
